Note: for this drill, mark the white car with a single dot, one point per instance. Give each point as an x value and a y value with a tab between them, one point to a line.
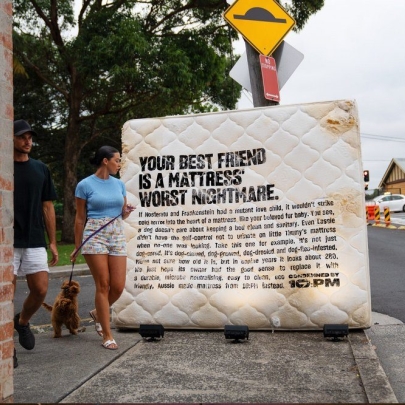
395	202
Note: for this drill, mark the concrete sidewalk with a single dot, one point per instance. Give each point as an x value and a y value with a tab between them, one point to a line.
203	367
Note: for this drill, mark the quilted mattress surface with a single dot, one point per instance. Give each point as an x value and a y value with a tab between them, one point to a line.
253	217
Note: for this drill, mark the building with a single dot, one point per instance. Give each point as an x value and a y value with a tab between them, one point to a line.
6	203
393	180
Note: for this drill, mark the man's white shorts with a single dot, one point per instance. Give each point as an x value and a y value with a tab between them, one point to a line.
30	261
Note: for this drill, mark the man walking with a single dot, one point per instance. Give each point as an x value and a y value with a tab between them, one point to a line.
33	208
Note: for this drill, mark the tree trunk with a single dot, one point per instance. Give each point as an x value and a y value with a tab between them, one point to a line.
70	161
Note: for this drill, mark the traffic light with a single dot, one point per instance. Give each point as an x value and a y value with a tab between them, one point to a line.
366	174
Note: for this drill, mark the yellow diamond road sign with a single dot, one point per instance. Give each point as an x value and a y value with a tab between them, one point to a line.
263	23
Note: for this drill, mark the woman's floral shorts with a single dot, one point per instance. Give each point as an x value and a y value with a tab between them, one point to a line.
109	241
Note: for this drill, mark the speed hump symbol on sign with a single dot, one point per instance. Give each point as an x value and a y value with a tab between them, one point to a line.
263	23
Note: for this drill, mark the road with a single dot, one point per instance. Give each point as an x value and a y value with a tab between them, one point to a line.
387	270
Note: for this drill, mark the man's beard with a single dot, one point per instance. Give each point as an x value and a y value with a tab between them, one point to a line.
22	151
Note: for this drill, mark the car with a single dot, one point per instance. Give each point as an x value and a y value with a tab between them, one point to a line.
395	202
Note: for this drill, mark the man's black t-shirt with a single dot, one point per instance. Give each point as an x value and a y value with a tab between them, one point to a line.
32	185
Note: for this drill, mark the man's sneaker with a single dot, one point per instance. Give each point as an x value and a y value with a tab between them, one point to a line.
25	336
15	359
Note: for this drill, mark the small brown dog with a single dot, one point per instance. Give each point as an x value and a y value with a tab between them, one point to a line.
65	309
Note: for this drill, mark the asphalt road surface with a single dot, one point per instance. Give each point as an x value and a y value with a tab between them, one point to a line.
387	271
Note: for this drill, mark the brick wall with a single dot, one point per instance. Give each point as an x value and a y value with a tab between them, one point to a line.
6	203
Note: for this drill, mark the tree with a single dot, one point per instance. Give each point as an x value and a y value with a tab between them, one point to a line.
121	59
117	60
301	10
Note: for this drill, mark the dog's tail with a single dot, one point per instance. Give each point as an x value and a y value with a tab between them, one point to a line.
46	306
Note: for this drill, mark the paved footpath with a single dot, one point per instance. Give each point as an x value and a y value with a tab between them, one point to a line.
203	367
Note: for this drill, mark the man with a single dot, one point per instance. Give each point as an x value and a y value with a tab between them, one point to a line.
33	208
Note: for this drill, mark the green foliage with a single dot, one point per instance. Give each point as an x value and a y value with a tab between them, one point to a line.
58	208
126	59
301	10
64	251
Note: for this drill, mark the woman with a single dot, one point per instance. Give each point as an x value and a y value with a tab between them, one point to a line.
99	199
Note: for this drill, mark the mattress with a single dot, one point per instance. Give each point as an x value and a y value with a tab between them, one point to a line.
249	217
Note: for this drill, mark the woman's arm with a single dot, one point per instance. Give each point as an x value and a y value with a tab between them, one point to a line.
80	221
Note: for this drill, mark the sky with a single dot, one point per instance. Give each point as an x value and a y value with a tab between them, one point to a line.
354	50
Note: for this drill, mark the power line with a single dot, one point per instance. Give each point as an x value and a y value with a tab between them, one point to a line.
382	138
376	160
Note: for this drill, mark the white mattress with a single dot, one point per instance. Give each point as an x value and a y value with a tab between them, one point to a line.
253	217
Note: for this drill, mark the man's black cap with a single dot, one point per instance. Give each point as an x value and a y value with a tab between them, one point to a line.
21	127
